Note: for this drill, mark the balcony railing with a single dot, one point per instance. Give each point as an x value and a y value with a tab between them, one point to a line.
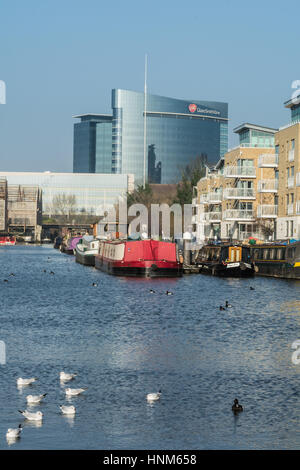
211	198
240	172
239	193
238	214
246	235
291	156
267	211
290	209
268	160
268	186
212	216
291	181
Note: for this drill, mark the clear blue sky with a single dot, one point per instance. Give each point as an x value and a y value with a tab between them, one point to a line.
60	58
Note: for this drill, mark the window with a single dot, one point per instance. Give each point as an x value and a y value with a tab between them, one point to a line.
291	228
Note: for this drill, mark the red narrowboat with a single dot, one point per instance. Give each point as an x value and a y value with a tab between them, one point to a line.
7	241
147	258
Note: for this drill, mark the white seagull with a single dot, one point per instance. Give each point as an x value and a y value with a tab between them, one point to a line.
37	416
154	396
67	410
65	377
35	399
21	381
14	433
71	392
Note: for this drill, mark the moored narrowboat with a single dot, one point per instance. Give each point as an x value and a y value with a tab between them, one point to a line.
277	260
68	246
7	241
146	258
225	260
86	249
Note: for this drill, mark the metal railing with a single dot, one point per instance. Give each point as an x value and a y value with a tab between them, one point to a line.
267	211
211	198
240	172
291	182
239	193
267	186
238	214
291	156
212	216
246	235
268	160
290	209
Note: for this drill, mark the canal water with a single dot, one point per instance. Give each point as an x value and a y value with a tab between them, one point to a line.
124	342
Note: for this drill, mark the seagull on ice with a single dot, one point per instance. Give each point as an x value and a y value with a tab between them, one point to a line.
154	396
37	416
67	410
72	392
35	399
65	377
14	433
21	381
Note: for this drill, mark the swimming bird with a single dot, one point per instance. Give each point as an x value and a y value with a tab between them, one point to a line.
65	377
12	274
222	308
169	293
51	272
37	416
227	305
14	433
236	406
72	392
153	396
252	288
21	381
5	280
95	284
152	291
45	270
35	399
67	410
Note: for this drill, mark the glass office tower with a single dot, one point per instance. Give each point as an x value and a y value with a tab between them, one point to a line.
177	132
92	144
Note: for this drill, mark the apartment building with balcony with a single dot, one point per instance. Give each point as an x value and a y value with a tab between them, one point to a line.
287	146
238	197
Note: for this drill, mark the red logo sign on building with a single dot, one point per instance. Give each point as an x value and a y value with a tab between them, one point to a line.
192	108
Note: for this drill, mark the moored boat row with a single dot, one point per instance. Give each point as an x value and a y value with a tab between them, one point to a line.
153	258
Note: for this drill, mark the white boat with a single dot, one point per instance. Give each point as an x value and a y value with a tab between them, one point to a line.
86	249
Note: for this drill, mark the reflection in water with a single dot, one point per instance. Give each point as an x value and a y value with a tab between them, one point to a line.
70	419
12	440
32	424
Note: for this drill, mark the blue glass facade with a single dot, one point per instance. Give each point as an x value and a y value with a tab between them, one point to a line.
177	132
92	144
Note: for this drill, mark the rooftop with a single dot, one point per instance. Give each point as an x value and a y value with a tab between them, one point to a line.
246	126
292	102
